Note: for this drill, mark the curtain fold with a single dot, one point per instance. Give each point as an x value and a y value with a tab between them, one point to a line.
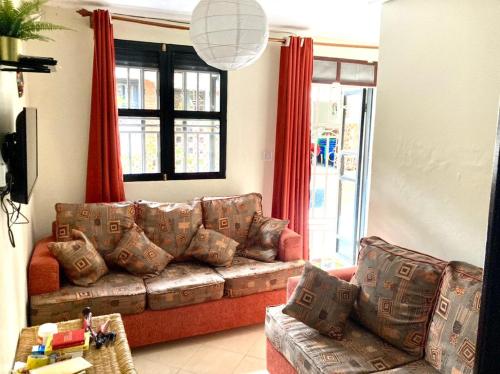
104	170
292	165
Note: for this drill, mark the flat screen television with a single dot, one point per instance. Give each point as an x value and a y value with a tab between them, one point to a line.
20	152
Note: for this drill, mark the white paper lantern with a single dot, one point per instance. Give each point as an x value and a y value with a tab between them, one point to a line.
229	34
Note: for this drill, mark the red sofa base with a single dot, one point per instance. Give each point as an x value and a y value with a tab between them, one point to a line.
277	363
156	326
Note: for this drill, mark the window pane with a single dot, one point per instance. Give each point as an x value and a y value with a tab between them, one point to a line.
137	88
354	72
325	71
197	146
140	145
197	91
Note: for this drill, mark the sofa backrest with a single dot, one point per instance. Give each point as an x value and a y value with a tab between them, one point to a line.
231	216
398	290
451	342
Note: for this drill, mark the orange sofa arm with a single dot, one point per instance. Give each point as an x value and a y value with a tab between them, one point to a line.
43	270
290	247
343	273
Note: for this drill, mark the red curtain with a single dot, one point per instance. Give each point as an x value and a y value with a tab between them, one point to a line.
292	168
104	170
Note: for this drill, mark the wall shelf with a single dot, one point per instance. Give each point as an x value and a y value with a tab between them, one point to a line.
29	65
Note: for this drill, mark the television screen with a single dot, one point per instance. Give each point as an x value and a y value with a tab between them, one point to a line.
25	164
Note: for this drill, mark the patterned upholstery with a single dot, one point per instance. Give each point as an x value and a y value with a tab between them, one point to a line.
263	238
81	262
322	302
102	223
451	344
113	293
417	367
398	289
183	284
139	255
231	216
247	276
310	352
170	226
212	247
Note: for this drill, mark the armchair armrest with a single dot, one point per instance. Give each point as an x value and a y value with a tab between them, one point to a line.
343	273
43	270
290	247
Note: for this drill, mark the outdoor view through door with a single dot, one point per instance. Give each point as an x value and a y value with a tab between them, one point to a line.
341	103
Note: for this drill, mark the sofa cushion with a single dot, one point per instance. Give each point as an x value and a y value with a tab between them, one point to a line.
310	352
103	223
183	284
398	290
139	255
113	293
322	301
263	238
171	226
451	344
81	262
417	367
246	276
231	216
212	247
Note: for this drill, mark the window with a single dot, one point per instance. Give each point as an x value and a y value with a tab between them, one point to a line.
348	72
172	113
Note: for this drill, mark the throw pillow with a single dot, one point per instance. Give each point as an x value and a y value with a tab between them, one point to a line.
231	216
171	226
398	288
263	238
138	255
322	301
81	262
102	223
212	247
451	342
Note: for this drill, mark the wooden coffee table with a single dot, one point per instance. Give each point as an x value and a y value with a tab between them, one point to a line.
114	359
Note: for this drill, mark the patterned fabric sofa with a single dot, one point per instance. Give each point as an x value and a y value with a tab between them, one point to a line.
448	345
188	298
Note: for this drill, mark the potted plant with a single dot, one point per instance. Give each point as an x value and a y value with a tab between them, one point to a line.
21	23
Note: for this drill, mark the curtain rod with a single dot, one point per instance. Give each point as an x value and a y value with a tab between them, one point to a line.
87	13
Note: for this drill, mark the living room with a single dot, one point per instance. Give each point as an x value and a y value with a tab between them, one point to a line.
402	147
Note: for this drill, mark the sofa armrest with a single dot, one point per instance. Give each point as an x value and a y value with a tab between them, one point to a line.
342	273
43	270
290	247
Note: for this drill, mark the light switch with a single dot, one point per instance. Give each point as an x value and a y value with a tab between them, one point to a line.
267	155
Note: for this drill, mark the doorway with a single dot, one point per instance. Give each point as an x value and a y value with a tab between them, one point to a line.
340	142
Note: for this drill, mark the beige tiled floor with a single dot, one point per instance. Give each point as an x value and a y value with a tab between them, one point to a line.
235	351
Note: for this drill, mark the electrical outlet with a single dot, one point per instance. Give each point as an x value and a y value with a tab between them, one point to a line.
3	171
267	155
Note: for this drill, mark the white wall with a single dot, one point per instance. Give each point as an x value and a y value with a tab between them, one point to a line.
438	97
13	264
64	106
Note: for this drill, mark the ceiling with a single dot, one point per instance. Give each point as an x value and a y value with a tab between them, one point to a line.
353	21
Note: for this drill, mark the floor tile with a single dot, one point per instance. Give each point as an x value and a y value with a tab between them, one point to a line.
251	365
174	354
211	360
258	348
144	366
238	340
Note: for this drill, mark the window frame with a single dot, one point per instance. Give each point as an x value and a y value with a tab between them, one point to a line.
168	58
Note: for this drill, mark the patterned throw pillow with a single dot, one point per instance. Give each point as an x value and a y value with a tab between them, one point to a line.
171	226
231	216
322	301
138	255
81	262
451	345
263	238
212	247
397	291
103	223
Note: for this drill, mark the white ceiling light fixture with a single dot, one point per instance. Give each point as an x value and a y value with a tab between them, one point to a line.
229	34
